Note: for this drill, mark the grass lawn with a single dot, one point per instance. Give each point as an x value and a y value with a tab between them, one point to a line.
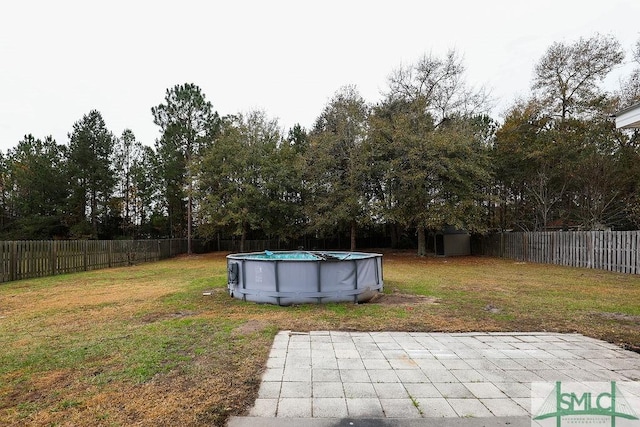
142	345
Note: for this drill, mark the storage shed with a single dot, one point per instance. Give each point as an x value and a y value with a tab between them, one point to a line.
452	242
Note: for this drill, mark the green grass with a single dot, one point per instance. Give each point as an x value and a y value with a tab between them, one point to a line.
142	345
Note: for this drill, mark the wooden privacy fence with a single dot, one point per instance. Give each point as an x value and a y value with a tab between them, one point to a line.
31	258
607	250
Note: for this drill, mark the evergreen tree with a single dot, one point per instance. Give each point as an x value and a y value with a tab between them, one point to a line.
39	188
335	169
91	175
242	179
188	125
144	192
127	156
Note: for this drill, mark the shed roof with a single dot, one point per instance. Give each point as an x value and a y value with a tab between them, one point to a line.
628	118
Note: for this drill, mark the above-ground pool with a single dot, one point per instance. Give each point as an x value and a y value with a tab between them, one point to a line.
299	277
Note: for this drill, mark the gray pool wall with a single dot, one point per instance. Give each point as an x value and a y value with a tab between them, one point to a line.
299	277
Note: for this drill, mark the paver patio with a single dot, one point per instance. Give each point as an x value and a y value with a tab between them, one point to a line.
327	374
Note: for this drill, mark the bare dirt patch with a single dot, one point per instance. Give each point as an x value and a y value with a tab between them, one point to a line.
160	316
492	309
621	317
251	327
397	298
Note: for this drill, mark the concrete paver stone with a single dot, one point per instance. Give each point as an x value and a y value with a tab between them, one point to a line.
364	407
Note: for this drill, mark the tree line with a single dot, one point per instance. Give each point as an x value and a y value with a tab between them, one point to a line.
426	157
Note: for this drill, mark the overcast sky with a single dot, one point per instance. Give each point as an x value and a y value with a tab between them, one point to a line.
60	59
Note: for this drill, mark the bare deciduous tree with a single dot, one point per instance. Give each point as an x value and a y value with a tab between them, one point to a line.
567	77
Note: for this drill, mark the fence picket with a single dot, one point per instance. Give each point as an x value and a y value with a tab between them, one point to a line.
628	251
636	252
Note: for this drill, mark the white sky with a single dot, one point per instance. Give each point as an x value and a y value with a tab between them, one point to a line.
60	59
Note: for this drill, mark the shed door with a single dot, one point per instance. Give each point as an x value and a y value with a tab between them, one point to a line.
439	244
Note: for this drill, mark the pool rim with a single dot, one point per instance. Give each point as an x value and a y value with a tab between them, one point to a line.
254	256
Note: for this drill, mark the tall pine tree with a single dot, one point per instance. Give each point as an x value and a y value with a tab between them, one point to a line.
188	125
91	177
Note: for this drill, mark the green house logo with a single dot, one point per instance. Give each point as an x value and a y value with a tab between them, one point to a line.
586	404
